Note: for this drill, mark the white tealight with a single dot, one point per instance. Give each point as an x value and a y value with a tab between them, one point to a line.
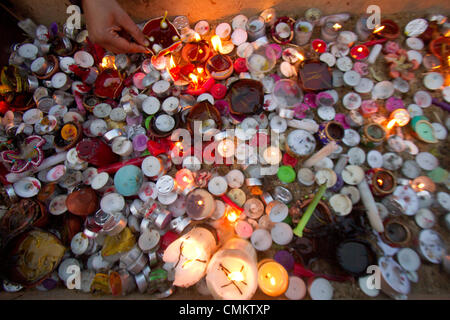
239	22
296	289
356	155
446	93
192	163
351	100
440	132
261	239
415	43
282	233
352	78
217	186
112	202
352	192
408	259
328	58
401	85
326	113
392	161
306	176
278	212
28	51
344	64
427	161
411	169
320	289
151	166
244	50
414	110
365	85
165	122
425	218
443	199
235	178
414	55
84	59
433	81
352	174
422	99
369	291
341	204
375	159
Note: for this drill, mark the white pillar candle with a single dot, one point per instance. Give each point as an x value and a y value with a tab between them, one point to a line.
190	255
296	289
282	233
371	208
261	239
217	186
374	53
319	155
232	272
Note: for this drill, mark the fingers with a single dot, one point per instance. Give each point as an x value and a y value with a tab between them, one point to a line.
115	43
131	27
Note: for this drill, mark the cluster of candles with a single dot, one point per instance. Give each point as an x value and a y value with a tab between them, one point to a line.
199	223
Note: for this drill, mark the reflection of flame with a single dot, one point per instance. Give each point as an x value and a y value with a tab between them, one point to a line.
378	29
217	43
337	26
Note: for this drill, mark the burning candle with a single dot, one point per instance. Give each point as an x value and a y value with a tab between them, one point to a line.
272	155
388	29
283	30
226	148
399	117
330	31
273	278
196	52
190	255
232	273
184	179
219	66
423	183
382	182
200	204
319	45
359	52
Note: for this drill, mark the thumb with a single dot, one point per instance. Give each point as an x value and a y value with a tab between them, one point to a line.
131	27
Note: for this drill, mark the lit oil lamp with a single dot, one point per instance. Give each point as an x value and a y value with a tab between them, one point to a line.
388	29
382	182
199	82
219	66
161	34
196	52
108	62
359	52
399	117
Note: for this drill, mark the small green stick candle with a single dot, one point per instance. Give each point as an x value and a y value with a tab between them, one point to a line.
298	231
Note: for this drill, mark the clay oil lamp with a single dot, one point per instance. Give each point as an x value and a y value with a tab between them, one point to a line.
396	233
109	84
205	113
219	66
373	134
246	96
399	117
282	30
161	34
68	135
196	52
440	47
330	131
388	29
199	82
315	76
381	181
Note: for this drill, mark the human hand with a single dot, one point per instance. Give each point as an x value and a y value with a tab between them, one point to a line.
105	19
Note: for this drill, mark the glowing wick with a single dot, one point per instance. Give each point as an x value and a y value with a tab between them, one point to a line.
200	202
337	26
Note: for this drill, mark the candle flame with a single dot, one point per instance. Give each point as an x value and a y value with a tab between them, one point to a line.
185	179
337	26
217	43
421	185
391	124
200	202
300	56
380	28
194	79
360	49
232	215
108	62
200	70
172	63
271	278
380	182
197	37
236	276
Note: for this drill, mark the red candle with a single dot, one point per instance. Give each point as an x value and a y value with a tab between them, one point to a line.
96	152
319	45
218	91
360	52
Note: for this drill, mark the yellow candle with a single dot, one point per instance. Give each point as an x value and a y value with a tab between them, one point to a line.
273	278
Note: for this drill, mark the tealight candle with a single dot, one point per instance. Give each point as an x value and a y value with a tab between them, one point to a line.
329	31
190	255
273	278
255	28
226	148
184	179
272	155
202	27
200	204
359	52
232	272
423	183
302	32
217	186
319	45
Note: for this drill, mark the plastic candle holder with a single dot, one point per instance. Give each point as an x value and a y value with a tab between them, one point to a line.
319	45
273	278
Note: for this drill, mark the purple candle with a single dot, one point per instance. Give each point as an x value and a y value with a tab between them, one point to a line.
284	258
441	104
140	142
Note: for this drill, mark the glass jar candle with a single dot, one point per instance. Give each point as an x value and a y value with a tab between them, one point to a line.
255	28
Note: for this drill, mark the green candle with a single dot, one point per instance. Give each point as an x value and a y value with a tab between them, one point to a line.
298	231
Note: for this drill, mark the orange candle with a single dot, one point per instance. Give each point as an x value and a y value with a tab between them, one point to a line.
273	278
